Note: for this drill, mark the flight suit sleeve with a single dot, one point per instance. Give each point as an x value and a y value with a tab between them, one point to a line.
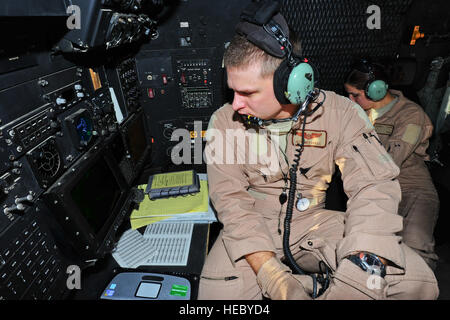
244	230
411	129
369	179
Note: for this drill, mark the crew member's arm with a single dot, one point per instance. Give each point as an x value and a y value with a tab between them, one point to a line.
369	178
244	230
257	259
371	219
410	130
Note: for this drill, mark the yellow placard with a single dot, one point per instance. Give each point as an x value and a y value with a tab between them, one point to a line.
95	78
172	179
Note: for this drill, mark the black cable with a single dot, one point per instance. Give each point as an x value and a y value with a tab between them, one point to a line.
324	281
318	105
290	206
290	203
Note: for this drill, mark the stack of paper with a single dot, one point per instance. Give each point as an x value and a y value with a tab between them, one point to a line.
190	208
172	241
132	250
162	243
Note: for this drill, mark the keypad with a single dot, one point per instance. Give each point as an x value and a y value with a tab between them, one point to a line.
30	267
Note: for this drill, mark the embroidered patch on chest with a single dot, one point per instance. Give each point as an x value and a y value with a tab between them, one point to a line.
386	129
313	138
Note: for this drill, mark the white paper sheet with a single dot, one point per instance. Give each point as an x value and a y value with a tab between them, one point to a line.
172	240
133	250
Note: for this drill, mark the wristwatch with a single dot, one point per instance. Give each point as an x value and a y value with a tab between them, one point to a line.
369	262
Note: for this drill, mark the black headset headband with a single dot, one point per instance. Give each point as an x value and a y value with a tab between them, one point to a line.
258	20
365	66
260	12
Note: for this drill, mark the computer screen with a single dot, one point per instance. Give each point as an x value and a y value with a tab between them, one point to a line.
90	201
96	194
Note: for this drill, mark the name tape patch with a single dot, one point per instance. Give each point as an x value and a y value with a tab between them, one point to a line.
313	138
386	129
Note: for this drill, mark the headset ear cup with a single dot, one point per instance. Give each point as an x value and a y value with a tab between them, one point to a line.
280	80
376	90
300	83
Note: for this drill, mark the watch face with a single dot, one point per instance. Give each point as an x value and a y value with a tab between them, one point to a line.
373	264
369	263
371	260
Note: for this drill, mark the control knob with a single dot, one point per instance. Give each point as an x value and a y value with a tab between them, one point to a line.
60	101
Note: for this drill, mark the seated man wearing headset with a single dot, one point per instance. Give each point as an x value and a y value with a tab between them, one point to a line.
404	129
271	155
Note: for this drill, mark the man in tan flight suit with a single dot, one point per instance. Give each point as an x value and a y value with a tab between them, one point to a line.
404	129
248	174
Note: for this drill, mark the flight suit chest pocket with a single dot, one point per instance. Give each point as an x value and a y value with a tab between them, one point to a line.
316	162
261	175
372	158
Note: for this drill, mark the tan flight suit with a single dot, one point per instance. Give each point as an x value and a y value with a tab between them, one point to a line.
246	193
404	130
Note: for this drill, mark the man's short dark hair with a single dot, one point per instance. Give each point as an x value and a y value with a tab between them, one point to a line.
241	53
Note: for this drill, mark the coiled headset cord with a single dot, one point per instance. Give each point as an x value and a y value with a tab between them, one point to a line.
290	206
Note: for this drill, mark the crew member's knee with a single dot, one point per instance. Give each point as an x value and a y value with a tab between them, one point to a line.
220	287
229	284
223	280
418	282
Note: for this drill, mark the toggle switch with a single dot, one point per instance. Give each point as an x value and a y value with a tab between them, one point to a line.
19	208
164	78
24	200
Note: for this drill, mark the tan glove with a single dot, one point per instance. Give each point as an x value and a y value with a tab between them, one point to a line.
278	283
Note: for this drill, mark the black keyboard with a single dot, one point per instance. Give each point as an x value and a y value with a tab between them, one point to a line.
30	266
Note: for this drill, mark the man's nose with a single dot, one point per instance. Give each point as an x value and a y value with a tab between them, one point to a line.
351	97
238	102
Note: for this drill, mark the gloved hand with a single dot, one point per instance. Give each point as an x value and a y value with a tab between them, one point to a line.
278	283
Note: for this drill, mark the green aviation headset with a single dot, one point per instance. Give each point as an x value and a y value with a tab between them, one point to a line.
294	78
375	89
